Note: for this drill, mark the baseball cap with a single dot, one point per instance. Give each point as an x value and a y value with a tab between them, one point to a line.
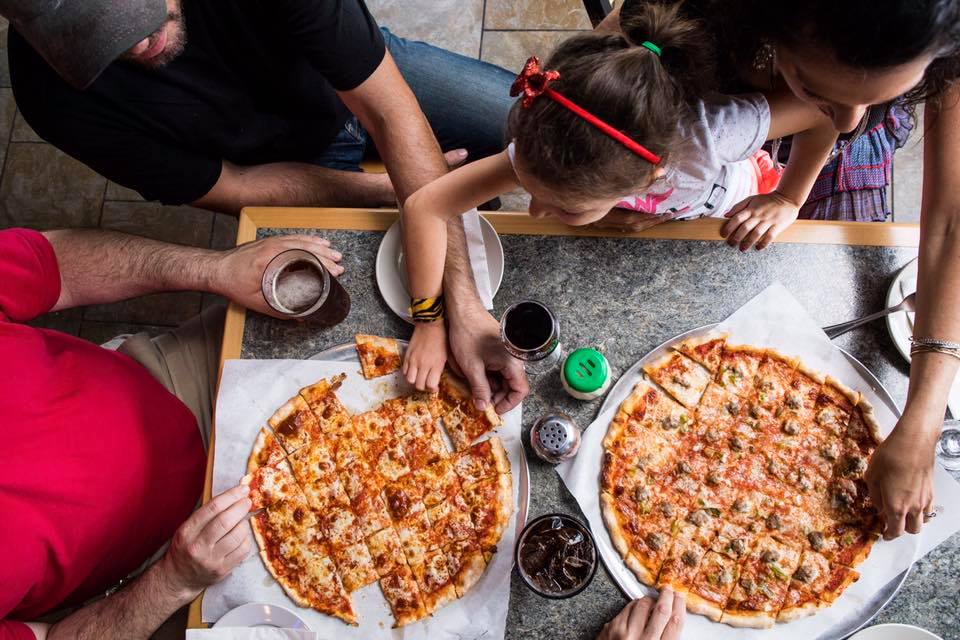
80	38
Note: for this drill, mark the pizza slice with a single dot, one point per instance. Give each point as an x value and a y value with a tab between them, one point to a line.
718	411
705	350
270	484
482	460
354	566
266	452
439	481
413	417
682	562
318	586
845	544
764	578
642	545
313	461
451	520
816	584
293	424
386	551
348	448
462	420
424	450
415	538
680	376
403	497
465	563
378	356
774	376
707	593
386	457
402	593
800	399
372	425
325	493
339	526
433	578
322	399
863	428
834	405
365	492
738	368
491	505
733	541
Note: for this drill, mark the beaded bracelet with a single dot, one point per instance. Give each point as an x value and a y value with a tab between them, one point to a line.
426	309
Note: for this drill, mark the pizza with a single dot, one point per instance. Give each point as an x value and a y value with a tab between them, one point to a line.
378	356
343	501
734	474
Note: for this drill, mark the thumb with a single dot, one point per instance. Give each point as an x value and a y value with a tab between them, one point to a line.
737	208
455	157
479	384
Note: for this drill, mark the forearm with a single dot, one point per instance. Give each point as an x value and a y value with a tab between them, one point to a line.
809	152
295	184
106	266
132	613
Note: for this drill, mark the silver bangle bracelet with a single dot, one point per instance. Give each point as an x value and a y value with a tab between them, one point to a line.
933	342
929	348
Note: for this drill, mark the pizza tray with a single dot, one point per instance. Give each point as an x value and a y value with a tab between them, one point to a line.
631	376
347	352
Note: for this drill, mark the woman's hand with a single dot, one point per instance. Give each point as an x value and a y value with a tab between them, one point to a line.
426	355
900	478
629	221
758	220
648	619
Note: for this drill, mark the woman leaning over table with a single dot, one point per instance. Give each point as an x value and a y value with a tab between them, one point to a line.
851	59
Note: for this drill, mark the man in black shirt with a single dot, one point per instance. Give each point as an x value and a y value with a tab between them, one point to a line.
229	103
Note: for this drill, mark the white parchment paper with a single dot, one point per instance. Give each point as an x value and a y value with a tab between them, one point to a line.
250	391
775	319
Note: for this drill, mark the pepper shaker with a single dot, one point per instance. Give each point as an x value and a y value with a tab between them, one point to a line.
555	437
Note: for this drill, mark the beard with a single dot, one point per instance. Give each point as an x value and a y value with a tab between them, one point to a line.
175	31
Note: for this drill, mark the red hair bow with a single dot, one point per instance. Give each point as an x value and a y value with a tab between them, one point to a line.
532	83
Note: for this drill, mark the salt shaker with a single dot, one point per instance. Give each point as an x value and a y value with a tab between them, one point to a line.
555	437
585	374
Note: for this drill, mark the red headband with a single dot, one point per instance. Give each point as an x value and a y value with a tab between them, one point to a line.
532	83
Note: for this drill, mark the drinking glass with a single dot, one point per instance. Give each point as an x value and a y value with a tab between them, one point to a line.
297	285
531	332
948	446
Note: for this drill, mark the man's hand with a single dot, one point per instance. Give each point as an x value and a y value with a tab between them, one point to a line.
758	220
900	478
494	375
239	271
210	544
648	619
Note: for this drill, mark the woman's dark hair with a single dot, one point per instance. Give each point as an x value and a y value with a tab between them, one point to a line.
862	34
624	84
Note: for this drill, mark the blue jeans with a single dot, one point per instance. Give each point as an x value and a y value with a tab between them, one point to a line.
465	100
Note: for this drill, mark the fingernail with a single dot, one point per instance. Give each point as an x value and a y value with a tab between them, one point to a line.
461	153
337	255
244	489
480	404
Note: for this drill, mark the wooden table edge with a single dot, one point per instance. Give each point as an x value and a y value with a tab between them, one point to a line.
254	218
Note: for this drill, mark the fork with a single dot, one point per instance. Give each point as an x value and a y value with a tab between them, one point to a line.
907	304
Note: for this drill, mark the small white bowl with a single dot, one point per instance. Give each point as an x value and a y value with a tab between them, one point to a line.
261	614
894	632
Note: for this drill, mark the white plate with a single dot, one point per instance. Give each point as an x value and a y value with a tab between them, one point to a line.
899	324
392	275
895	632
256	614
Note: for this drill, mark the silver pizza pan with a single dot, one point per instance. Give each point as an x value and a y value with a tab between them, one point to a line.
347	352
631	376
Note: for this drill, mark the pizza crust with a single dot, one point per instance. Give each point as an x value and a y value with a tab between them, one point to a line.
378	356
691	348
869	419
789	614
608	510
640	570
749	619
847	392
702	606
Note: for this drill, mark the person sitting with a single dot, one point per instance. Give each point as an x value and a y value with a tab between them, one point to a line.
103	457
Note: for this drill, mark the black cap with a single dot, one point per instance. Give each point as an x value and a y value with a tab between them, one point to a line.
80	38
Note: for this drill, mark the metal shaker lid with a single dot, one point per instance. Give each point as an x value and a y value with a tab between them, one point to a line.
557	433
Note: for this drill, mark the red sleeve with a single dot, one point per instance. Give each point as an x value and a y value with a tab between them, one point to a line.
11	630
29	277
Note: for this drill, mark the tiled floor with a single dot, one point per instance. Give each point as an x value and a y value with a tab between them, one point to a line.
42	188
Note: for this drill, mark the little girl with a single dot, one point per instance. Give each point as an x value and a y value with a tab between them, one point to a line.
614	114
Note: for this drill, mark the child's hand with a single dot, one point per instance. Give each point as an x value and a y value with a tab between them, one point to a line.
426	355
758	220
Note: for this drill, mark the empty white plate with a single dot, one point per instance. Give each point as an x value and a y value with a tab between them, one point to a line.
894	632
392	273
261	614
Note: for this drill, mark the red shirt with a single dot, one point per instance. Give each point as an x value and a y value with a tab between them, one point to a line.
99	463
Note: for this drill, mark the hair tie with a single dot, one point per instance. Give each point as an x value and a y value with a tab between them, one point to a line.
532	83
652	47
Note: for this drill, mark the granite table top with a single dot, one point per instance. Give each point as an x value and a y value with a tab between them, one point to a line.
627	296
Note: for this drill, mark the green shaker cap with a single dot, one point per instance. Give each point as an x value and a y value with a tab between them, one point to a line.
586	370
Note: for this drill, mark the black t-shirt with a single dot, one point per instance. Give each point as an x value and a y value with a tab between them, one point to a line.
255	83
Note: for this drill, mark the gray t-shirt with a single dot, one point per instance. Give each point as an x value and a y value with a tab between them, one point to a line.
712	167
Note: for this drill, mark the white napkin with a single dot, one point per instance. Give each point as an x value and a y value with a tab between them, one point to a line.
256	633
477	251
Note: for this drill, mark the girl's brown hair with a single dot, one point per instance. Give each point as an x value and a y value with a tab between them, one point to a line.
624	84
